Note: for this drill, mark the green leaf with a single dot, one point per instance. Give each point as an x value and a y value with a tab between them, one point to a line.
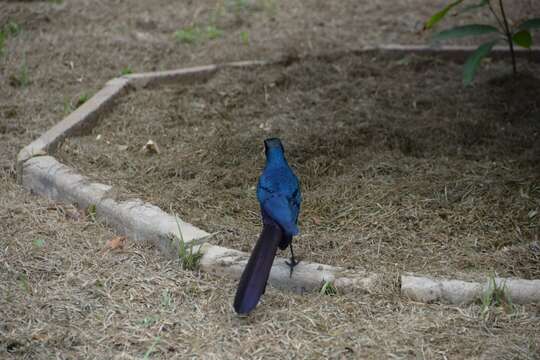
473	7
530	24
463	31
522	38
440	14
469	70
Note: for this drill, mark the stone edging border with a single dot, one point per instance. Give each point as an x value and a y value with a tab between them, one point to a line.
42	174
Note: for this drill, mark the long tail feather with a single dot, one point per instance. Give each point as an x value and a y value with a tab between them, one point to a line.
253	281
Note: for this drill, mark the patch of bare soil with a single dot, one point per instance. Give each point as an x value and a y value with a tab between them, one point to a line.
401	167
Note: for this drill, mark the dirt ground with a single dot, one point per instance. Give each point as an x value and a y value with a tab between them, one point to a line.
62	296
436	181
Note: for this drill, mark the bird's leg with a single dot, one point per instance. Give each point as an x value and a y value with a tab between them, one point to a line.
293	261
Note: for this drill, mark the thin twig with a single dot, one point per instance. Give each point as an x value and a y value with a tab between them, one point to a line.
509	37
501	25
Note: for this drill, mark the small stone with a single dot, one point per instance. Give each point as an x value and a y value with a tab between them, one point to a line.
150	148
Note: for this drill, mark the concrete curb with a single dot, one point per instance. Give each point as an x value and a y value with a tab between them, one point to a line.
42	174
188	75
81	119
457	53
307	277
140	221
457	292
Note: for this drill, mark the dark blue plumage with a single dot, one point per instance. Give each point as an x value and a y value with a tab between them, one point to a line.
278	192
255	276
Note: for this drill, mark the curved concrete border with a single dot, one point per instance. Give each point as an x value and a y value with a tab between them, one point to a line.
42	174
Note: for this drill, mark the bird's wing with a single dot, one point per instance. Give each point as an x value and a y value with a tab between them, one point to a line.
279	209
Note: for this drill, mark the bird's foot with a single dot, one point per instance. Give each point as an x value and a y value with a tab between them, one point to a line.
292	264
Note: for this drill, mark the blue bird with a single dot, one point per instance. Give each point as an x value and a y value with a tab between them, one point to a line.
278	192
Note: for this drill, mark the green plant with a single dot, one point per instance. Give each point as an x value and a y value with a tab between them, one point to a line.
196	34
495	295
12	28
514	34
126	71
2	41
68	106
82	99
213	32
188	257
244	36
328	288
91	210
188	35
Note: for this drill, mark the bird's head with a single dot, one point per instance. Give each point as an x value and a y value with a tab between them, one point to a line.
273	145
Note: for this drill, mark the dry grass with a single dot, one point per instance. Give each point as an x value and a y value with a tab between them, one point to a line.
401	168
66	299
60	297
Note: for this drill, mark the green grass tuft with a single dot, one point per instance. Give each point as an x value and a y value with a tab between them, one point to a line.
188	258
126	71
213	32
92	212
2	41
82	99
495	296
12	28
244	36
196	34
187	35
9	29
328	288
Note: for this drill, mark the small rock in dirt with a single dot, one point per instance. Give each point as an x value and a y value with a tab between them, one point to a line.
535	247
150	148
